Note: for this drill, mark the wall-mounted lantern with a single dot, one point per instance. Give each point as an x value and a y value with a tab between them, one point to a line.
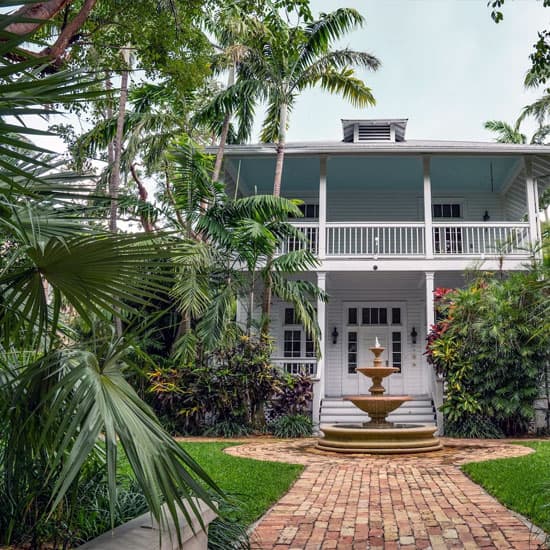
414	334
486	216
334	335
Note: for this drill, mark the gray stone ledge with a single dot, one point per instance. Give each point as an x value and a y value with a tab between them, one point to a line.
142	533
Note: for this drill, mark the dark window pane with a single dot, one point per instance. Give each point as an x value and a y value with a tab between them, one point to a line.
352	337
352	316
395	315
352	347
374	316
436	211
310	349
383	316
446	210
455	208
365	316
396	347
396	336
289	316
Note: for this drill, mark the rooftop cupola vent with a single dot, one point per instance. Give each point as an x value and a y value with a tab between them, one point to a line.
360	131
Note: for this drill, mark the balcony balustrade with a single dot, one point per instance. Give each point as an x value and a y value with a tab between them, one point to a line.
408	239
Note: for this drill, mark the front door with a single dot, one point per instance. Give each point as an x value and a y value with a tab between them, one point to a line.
364	323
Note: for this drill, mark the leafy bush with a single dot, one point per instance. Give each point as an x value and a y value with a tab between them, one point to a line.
491	344
294	396
292	425
83	515
228	390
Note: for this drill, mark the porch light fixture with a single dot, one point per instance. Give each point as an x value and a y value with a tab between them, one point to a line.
334	335
414	334
486	216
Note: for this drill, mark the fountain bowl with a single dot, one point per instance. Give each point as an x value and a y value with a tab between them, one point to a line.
397	439
375	406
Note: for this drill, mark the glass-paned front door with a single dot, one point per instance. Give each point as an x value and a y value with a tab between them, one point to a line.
364	323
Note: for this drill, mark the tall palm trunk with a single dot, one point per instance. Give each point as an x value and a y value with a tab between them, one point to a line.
266	306
283	111
114	180
224	132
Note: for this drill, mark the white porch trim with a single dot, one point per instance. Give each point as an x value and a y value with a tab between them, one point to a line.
430	310
319	386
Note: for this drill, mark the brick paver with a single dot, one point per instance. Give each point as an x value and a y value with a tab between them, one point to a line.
391	502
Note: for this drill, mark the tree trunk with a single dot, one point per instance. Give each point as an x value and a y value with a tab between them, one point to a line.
41	12
58	49
280	151
266	305
114	180
224	132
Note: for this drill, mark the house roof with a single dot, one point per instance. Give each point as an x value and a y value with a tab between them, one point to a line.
409	147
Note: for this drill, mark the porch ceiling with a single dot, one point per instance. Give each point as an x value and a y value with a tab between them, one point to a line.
450	174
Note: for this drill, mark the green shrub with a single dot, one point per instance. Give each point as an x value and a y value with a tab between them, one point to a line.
293	396
491	343
292	425
229	388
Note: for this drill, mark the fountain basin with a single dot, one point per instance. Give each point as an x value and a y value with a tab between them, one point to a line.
377	406
398	439
380	372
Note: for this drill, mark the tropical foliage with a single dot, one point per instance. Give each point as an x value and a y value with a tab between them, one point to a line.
67	405
491	344
281	61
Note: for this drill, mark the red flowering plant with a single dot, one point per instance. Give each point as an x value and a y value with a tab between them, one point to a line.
443	309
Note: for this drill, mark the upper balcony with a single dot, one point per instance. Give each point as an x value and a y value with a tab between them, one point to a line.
448	204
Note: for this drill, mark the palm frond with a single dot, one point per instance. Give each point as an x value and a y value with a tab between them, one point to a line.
78	397
353	89
327	29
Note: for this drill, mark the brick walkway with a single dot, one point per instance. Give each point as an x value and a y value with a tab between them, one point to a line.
360	502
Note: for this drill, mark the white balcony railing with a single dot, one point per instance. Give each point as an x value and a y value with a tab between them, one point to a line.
311	242
477	239
297	365
375	239
407	239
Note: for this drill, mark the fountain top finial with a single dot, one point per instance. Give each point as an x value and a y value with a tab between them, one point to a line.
376	343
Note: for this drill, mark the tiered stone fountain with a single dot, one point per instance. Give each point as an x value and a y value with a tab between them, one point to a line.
378	435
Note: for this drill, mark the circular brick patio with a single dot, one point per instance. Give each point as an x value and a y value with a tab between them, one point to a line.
361	501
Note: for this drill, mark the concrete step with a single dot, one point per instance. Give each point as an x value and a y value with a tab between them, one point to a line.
419	410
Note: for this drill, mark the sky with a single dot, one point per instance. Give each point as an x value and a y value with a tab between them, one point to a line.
446	66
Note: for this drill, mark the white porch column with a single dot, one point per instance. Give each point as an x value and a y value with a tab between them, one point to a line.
430	311
322	237
319	386
428	246
532	206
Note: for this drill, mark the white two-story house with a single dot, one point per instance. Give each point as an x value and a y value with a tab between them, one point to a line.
390	220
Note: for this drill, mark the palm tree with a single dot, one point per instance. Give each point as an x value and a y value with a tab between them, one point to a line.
232	28
239	249
282	61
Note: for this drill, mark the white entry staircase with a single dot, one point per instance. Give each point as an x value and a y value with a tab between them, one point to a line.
420	410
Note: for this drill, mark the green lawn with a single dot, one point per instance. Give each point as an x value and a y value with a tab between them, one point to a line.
522	484
256	485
